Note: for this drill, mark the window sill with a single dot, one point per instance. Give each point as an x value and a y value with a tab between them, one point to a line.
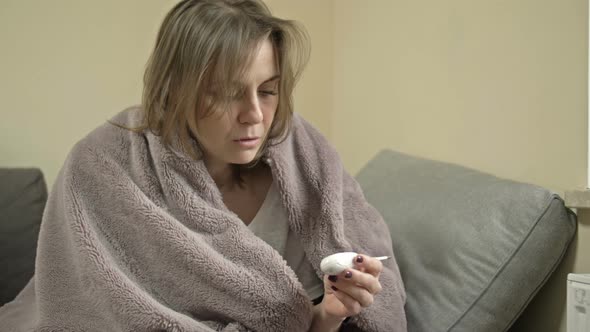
578	198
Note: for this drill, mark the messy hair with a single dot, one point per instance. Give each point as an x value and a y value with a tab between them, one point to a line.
204	43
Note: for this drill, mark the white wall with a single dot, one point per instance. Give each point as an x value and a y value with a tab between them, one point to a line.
66	66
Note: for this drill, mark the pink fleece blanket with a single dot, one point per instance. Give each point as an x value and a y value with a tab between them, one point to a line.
136	237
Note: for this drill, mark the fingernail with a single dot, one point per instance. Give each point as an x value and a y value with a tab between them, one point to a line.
333	278
334	289
359	259
348	275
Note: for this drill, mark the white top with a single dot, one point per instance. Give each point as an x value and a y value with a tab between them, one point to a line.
271	225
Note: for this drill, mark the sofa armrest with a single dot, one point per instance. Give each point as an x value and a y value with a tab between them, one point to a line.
473	249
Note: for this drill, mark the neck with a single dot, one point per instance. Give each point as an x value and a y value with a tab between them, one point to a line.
222	174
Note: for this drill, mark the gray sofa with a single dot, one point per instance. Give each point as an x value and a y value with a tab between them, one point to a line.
473	249
22	198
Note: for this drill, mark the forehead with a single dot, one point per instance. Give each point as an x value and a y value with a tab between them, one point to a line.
251	69
263	65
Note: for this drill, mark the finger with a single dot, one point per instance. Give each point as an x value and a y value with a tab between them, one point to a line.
359	294
353	306
368	264
355	291
360	279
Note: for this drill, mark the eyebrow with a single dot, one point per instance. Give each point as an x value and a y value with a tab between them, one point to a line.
272	79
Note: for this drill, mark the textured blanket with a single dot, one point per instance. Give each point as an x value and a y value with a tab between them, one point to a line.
136	237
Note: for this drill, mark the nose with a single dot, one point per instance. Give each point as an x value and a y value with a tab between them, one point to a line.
250	112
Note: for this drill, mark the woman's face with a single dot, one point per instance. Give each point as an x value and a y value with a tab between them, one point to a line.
234	137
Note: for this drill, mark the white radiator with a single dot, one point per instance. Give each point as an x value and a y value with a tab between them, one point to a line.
578	302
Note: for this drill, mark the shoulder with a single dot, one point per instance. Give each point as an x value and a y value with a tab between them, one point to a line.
306	152
311	141
303	128
111	140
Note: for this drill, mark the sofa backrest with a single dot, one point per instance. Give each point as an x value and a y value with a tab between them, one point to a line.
23	194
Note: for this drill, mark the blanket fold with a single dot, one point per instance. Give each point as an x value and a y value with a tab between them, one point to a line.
136	237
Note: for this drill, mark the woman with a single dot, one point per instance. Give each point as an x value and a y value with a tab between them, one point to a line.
211	205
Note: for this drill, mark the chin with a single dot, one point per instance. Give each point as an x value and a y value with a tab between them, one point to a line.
244	158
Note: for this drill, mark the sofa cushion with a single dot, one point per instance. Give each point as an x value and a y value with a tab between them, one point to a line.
473	249
22	199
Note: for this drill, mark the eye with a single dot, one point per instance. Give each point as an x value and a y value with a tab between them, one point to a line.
268	92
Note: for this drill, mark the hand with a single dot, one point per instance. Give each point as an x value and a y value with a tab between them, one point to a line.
352	290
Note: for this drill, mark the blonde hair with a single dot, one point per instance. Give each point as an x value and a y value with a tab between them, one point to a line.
212	42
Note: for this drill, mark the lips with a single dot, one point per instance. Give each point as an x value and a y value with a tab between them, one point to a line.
246	139
247	142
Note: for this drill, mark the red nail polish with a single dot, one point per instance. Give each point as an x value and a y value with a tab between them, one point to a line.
359	259
348	275
333	278
334	289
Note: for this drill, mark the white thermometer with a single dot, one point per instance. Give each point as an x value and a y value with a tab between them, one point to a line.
336	263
